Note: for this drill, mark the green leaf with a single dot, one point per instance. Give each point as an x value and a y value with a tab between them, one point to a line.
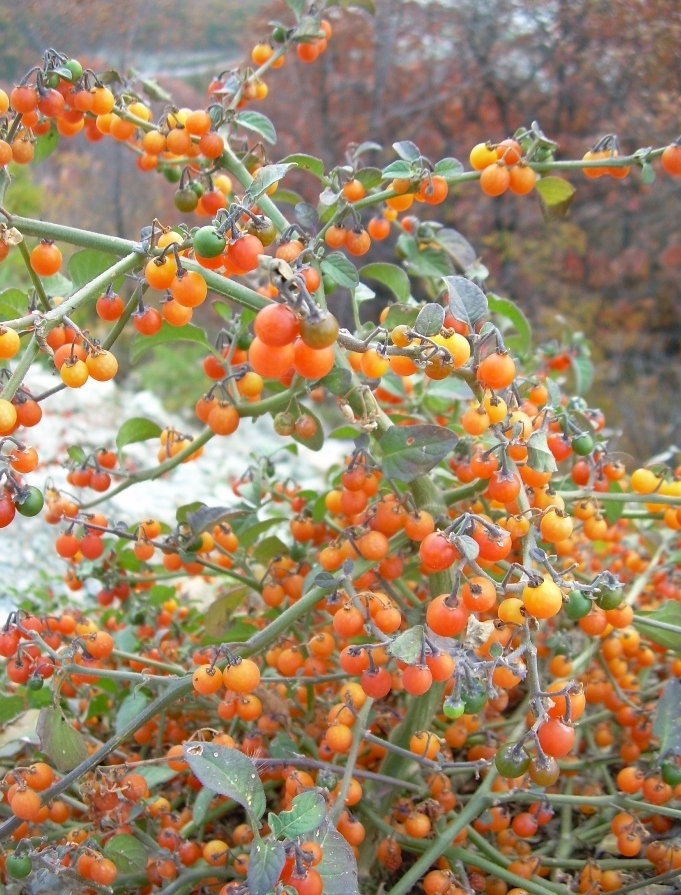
667	720
136	429
10	707
201	805
77	454
46	144
261	124
307	812
411	451
110	76
398	170
63	745
584	373
319	506
430	319
64	73
181	513
308	28
668	614
338	867
127	853
316	443
429	262
265	178
366	146
457	246
338	381
296	6
306	215
307	162
400	315
266	861
288	197
238	632
228	772
441	394
340	270
408	646
268	548
154	90
468	547
613	508
87	264
555	395
159	593
156	776
407	150
130	708
97	706
343	433
126	640
126	557
217	616
389	275
13	303
167	333
647	173
467	302
366	5
58	284
555	196
207	517
539	457
223	309
504	307
282	746
369	177
250	535
38	699
449	168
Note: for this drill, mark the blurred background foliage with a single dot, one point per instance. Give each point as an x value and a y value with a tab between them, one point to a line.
445	75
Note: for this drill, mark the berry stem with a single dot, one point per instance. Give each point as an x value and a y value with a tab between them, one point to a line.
31	352
35	279
236	167
357	738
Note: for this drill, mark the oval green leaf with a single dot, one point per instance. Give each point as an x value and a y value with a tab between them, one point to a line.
228	772
307	812
63	745
467	302
261	124
138	428
411	451
266	861
167	333
127	853
389	275
504	307
339	269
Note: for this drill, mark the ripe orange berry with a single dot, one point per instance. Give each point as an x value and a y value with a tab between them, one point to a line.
9	343
46	259
74	373
671	160
207	679
101	365
482	155
243	677
25	804
495	179
496	371
543	600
